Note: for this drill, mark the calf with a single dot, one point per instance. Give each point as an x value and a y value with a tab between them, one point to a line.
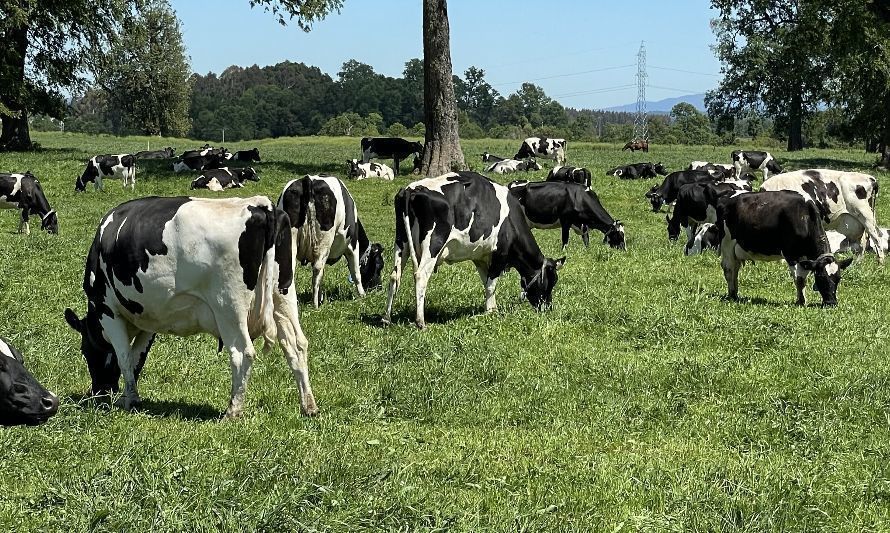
108	166
23	191
845	199
638	170
464	216
706	237
542	147
184	266
775	225
633	146
697	203
746	160
200	162
166	153
508	166
326	227
568	206
360	171
247	155
490	158
666	193
570	175
23	400
224	178
394	148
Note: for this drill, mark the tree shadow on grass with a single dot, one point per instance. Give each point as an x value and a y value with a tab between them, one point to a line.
826	162
433	316
302	169
162	408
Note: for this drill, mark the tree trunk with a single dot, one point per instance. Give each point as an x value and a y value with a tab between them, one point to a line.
15	135
795	125
442	152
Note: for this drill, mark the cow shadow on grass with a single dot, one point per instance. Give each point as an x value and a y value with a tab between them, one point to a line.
160	408
760	301
432	315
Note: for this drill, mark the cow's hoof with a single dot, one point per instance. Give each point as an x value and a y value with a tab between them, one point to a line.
309	410
232	414
386	321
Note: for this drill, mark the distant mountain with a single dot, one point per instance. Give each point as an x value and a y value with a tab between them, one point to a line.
664	106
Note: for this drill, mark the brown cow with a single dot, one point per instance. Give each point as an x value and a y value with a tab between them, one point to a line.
633	146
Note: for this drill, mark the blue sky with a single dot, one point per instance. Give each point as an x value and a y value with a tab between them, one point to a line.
569	47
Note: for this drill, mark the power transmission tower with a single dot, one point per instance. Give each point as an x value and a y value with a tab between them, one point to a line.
641	125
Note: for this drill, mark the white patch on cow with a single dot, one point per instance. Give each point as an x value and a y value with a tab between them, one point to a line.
16	187
506	166
119	228
105	223
831	268
92	278
214	185
5	350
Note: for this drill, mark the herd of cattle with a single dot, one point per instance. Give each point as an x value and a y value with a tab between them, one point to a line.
146	273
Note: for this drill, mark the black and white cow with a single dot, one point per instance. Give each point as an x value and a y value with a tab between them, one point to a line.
166	153
23	191
491	158
464	216
508	166
666	193
218	179
184	266
206	150
23	400
247	155
727	168
360	171
108	166
845	199
570	175
542	147
697	203
746	161
638	171
326	228
569	206
775	225
840	243
394	148
200	162
706	237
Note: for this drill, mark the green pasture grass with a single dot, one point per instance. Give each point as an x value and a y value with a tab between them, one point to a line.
642	401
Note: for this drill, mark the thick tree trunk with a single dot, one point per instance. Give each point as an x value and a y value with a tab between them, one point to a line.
795	125
442	152
16	135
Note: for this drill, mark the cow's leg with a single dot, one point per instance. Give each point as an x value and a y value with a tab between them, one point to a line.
800	282
24	227
566	227
731	267
115	331
139	351
241	352
397	162
318	276
866	217
97	185
352	262
295	346
400	258
422	273
490	286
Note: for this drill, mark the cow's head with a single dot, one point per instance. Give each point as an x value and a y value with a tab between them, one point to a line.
614	236
660	169
89	174
773	167
255	154
655	198
747	176
371	266
532	164
538	289
673	227
23	400
169	152
250	174
50	222
352	168
418	165
101	361
827	271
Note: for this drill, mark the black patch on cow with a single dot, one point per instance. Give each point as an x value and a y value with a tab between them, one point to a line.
832	191
351	221
813	174
295	201
755	159
283	246
258	236
861	193
325	204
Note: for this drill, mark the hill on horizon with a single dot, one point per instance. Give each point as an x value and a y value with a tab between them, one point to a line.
664	106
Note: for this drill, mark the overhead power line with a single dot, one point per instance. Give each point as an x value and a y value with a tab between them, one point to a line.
604	69
686	71
596	91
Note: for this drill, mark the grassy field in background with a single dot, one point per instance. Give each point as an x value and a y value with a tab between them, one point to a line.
642	401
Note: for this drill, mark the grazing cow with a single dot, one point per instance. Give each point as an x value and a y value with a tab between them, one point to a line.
184	266
23	191
633	146
775	225
542	147
746	161
839	242
108	166
200	162
697	203
394	148
464	216
224	178
508	166
247	155
23	400
706	237
557	204
666	193
570	175
326	228
166	153
491	158
638	170
360	171
846	199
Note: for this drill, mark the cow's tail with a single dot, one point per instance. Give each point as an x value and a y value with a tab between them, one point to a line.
873	198
404	215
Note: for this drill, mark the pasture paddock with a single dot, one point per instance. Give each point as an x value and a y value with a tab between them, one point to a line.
643	400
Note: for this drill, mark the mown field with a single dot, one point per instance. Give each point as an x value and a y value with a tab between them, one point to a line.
642	401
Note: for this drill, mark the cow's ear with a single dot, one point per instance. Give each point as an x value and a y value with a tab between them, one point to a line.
845	263
557	264
73	321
